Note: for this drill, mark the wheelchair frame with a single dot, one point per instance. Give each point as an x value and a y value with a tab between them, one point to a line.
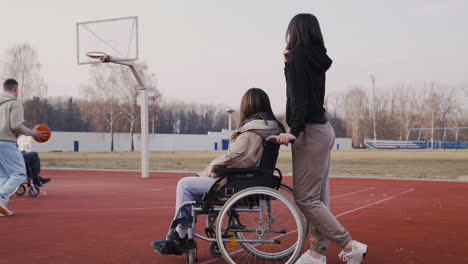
222	204
27	185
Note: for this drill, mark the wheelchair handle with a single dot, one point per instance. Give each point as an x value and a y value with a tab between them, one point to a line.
273	139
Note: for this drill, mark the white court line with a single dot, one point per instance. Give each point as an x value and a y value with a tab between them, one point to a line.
374	203
338	215
99	209
160	189
346	194
382	187
142	208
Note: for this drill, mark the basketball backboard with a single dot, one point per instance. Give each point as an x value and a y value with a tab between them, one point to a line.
117	37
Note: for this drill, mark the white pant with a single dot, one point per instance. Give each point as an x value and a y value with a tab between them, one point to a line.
12	169
190	189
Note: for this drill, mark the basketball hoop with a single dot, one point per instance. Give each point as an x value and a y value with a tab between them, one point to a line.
97	55
115	41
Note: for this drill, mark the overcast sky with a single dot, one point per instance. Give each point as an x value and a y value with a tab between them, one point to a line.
211	51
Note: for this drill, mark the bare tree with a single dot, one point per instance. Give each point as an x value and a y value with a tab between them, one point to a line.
356	112
22	64
129	92
102	92
405	104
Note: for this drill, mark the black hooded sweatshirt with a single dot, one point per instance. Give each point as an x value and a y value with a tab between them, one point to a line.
305	87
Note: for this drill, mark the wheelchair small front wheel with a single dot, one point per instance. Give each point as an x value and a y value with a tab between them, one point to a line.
263	223
21	190
214	250
34	191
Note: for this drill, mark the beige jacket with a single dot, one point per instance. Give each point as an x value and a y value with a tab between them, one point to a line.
245	149
11	117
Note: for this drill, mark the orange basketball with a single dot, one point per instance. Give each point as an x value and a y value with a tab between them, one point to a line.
42	127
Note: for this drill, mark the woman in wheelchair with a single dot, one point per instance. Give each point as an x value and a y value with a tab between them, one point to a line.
245	150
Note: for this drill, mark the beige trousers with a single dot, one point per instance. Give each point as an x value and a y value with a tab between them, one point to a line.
311	163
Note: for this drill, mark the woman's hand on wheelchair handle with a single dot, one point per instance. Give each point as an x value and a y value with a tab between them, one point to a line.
285	138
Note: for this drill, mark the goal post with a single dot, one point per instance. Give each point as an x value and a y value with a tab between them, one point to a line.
456	140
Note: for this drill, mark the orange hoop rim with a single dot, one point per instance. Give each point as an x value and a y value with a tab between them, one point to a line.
102	56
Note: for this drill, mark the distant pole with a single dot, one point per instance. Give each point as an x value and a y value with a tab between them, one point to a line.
432	114
373	105
229	111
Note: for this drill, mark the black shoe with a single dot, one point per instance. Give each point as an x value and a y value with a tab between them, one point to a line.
45	180
174	246
158	244
37	181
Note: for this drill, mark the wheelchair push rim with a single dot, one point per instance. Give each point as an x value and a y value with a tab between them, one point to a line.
244	237
289	193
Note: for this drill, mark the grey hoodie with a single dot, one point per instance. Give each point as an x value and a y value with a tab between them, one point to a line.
11	117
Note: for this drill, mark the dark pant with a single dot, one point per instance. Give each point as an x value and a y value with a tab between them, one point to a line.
33	167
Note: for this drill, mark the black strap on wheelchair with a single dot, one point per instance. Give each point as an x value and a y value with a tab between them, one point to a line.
182	220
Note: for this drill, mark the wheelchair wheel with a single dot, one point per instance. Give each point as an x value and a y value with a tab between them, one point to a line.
260	223
34	191
214	250
289	192
21	190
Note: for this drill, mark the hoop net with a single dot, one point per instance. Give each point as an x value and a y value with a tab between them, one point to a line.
98	57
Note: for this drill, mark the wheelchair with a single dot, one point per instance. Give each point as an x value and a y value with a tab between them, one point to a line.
29	185
251	218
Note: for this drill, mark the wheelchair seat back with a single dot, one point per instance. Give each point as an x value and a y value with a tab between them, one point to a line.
239	179
269	156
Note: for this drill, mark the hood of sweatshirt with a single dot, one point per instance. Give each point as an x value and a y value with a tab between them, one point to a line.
260	127
6	96
316	57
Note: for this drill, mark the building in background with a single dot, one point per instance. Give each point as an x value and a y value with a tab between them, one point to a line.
100	142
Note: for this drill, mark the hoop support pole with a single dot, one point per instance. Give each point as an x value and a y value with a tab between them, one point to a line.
144	116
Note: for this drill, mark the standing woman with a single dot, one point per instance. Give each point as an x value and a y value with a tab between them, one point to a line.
306	62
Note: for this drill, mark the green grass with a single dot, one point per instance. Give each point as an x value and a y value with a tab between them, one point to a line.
436	164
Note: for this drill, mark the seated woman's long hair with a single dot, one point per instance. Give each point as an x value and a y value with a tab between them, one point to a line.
256	101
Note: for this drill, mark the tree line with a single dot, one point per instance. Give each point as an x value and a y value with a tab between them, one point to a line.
405	106
109	102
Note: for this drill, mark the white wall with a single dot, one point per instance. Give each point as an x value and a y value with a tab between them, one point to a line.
100	142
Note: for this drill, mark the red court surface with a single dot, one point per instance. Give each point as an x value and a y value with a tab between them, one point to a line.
111	217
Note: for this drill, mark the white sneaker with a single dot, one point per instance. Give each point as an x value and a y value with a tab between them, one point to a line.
306	258
357	255
3	209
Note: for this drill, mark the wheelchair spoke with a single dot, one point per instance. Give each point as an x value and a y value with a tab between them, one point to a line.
269	233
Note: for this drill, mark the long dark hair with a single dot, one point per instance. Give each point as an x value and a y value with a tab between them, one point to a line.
256	102
304	31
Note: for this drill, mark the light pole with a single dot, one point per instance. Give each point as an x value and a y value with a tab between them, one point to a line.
373	104
229	111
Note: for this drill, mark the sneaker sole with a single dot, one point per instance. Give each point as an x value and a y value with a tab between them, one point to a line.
4	211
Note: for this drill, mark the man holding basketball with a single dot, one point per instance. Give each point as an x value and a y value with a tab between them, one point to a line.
12	167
